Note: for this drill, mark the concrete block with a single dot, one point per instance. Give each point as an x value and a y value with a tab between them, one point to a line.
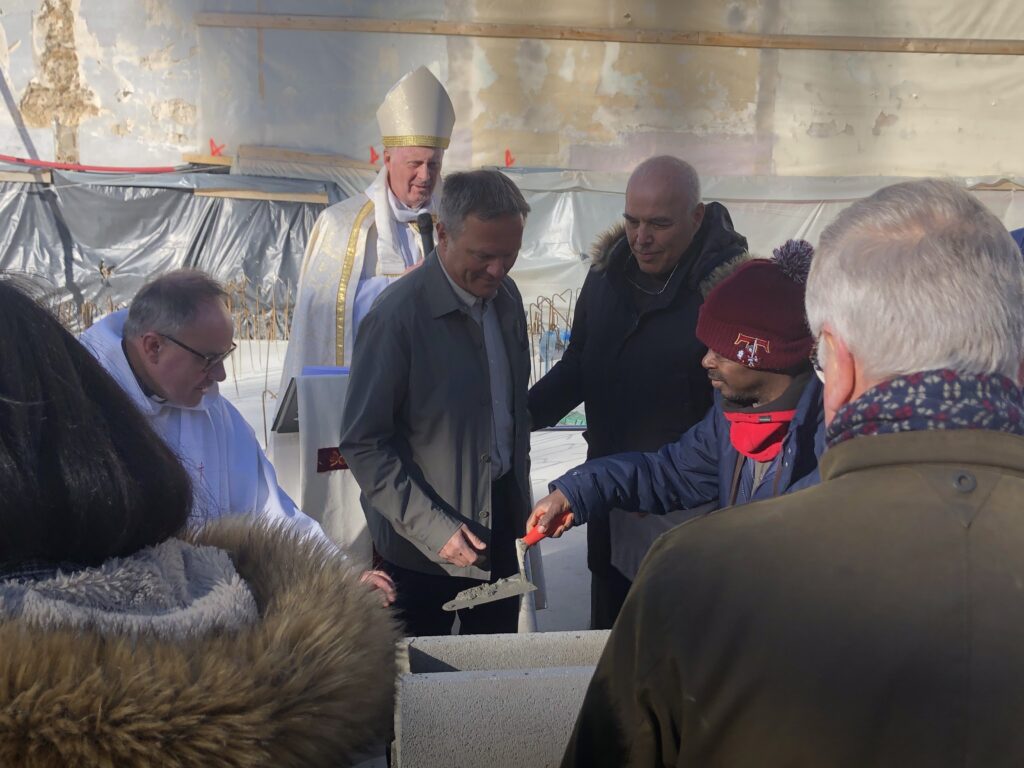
500	718
491	700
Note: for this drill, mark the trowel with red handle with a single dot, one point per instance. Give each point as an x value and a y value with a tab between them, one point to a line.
513	586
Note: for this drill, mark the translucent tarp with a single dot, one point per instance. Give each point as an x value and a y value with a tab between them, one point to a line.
94	243
95	239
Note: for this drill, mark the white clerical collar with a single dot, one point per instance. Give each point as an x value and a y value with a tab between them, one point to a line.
465	296
402	211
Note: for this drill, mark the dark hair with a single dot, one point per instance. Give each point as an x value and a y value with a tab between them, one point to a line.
83	477
170	302
484	194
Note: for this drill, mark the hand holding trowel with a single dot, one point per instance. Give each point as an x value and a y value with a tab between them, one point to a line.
517	585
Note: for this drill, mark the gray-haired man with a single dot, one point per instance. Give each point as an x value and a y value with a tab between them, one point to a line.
167	352
436	431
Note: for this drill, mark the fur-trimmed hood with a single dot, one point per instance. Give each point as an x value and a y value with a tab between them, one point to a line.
715	253
310	684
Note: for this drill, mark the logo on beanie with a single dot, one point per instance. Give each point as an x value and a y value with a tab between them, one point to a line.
748	354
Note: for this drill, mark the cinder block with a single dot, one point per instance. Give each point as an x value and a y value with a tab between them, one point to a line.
491	700
510	717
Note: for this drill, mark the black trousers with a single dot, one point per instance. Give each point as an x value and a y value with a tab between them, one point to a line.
608	592
421	595
608	587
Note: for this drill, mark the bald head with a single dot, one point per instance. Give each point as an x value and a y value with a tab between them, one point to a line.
663	212
671	174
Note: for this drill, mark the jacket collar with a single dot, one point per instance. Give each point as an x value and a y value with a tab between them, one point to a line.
717	249
966	446
810	402
467	298
809	406
103	339
304	596
440	296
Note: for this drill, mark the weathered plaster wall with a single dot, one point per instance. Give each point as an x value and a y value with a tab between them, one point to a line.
892	114
739	112
607	105
919	18
101	81
896	114
135	82
56	95
604	105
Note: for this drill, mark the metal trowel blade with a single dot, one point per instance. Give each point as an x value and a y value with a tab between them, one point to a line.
513	586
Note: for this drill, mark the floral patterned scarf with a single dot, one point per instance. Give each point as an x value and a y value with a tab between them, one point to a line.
941	399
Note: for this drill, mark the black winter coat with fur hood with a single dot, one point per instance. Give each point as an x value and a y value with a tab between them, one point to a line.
310	684
637	373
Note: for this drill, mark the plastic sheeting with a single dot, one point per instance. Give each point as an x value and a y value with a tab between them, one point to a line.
343	182
571	208
97	243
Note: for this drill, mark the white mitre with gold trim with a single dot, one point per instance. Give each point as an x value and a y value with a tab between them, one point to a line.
416	112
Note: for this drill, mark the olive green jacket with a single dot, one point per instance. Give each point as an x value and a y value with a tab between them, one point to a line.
874	620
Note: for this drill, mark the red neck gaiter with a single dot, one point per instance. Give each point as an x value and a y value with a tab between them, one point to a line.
759	436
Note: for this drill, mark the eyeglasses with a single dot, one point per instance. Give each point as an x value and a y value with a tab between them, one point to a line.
816	359
211	359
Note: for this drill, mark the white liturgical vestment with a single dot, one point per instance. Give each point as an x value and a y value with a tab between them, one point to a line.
230	473
356	249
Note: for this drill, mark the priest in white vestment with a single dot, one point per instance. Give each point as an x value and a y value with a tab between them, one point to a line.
167	354
230	474
361	245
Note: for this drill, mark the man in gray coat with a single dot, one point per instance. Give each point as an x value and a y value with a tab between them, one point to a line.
436	429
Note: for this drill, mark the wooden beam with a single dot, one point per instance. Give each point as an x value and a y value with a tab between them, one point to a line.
254	194
254	152
192	157
985	47
27	177
1002	185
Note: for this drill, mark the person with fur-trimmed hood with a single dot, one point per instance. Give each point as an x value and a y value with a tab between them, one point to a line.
128	639
633	358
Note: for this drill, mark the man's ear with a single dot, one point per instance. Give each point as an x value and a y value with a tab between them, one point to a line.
151	344
840	373
442	237
698	215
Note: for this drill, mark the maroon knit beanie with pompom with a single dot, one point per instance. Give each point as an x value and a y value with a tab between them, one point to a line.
756	316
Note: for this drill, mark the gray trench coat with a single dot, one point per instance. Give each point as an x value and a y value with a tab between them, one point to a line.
417	418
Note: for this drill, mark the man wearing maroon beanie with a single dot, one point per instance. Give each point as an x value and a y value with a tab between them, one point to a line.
763	435
758	358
